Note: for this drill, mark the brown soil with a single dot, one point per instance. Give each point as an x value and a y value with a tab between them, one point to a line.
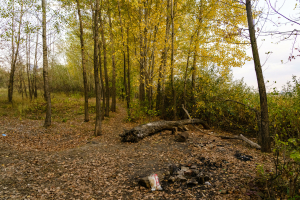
65	161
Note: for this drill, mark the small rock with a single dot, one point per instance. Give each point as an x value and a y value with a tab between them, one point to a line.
221	149
144	182
202	178
207	183
181	178
223	191
172	178
172	169
180	172
243	190
188	173
192	182
185	168
193	167
195	172
182	137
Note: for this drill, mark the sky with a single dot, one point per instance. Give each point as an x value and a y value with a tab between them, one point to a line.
273	68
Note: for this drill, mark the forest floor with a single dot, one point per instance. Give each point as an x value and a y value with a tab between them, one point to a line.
65	161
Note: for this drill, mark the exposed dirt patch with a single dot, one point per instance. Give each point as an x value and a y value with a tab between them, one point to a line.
65	161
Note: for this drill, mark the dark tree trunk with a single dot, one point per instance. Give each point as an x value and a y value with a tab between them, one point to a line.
113	93
45	68
96	72
186	71
28	65
265	139
142	131
142	69
105	68
165	54
128	73
102	90
85	85
172	64
35	66
14	55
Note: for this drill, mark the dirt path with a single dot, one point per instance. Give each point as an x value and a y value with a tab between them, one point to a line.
65	161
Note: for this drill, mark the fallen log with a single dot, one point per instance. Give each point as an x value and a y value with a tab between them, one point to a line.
139	132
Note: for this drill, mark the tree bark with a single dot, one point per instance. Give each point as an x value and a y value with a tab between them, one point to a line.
45	68
265	139
186	71
14	54
172	64
165	54
142	69
128	73
124	56
139	132
85	85
105	68
35	66
96	72
113	93
28	64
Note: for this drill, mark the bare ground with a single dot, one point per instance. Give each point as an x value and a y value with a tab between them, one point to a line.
65	161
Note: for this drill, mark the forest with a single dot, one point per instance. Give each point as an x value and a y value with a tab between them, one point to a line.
98	97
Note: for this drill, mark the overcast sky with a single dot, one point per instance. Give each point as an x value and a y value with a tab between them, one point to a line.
273	69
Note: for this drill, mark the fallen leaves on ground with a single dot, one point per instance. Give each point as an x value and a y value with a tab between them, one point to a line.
66	161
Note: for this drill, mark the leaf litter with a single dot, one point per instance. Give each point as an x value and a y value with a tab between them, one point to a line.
66	161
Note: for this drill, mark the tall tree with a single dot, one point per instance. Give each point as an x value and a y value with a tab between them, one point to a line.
85	85
15	52
264	132
105	66
113	92
45	68
96	71
172	63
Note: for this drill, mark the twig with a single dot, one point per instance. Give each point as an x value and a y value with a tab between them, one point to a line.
187	113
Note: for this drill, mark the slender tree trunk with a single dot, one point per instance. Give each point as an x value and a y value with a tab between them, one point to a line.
128	73
128	64
35	66
196	51
165	54
28	64
264	138
124	56
45	68
102	90
14	54
85	84
142	69
105	67
145	51
172	64
186	71
113	93
96	73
